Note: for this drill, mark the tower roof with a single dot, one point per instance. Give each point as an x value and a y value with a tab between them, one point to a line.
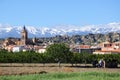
24	29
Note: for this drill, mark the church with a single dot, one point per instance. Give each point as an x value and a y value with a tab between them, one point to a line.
24	36
22	41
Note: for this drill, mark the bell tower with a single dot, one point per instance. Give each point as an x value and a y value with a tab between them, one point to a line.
24	36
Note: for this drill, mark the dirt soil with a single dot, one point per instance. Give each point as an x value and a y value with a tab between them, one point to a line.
19	69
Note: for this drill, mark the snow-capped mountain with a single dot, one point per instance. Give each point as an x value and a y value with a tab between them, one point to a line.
14	31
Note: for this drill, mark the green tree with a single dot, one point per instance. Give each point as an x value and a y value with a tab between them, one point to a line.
75	59
58	52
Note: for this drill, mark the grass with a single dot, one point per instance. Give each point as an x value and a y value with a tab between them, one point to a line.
65	76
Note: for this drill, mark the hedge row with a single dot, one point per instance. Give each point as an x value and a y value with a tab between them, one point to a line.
32	57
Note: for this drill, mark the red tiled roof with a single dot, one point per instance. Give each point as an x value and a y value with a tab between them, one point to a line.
83	46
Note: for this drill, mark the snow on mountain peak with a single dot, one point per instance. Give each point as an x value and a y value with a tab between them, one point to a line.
14	31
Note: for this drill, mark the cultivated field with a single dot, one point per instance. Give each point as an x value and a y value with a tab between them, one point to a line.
20	69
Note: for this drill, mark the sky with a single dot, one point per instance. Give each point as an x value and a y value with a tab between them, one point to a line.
59	12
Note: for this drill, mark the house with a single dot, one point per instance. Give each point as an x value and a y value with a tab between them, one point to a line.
9	48
40	49
82	49
17	48
108	48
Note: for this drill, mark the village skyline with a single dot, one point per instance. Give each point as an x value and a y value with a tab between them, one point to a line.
59	39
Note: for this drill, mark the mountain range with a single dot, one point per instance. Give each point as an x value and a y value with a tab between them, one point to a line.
14	31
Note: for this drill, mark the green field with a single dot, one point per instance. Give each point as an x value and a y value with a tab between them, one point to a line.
65	76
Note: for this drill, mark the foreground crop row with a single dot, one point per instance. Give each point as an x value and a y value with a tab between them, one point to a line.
65	76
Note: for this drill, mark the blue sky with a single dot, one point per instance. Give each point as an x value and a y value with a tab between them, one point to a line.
59	12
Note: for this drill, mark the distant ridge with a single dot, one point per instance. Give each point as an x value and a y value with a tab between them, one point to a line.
14	31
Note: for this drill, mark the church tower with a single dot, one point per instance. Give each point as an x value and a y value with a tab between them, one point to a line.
24	36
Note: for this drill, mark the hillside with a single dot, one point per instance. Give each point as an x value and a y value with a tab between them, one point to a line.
90	39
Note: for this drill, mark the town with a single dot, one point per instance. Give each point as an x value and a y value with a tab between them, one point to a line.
34	44
59	39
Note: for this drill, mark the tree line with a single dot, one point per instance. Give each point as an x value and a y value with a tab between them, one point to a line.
58	53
